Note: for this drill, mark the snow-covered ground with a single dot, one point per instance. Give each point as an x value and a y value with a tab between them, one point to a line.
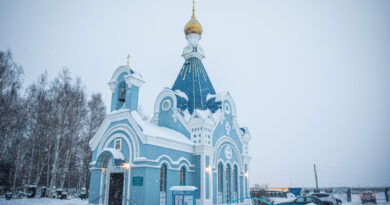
43	201
380	197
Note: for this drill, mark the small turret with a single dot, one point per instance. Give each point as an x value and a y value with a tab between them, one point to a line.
124	85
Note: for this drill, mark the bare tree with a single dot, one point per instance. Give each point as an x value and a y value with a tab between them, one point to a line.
44	134
96	115
12	116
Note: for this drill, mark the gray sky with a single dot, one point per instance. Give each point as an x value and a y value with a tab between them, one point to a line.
310	78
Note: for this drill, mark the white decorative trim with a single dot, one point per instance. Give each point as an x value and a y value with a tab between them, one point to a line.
132	80
145	139
158	167
119	71
177	162
112	85
193	43
109	137
166	92
218	146
228	152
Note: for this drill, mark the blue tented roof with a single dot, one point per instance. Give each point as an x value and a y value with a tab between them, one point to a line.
195	83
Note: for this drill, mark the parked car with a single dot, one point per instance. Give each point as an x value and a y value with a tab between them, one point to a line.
326	197
368	197
308	200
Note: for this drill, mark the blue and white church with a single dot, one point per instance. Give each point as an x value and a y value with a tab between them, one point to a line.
192	140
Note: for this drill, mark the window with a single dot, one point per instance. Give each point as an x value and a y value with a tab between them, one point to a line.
228	178
183	176
121	95
235	179
117	144
163	178
122	92
220	177
166	105
311	199
300	199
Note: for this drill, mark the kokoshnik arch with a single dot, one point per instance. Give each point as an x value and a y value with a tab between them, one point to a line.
193	139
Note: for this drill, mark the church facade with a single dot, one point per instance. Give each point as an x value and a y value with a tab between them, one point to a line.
193	139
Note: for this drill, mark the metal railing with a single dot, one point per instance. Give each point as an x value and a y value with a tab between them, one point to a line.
219	199
163	198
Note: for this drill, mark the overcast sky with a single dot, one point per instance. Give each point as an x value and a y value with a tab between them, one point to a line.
310	78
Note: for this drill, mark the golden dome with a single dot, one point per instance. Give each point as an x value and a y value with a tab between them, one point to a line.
193	26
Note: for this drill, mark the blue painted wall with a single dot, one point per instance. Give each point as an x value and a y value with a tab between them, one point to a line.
94	186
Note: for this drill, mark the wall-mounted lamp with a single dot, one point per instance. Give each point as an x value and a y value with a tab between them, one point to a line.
208	169
125	166
246	174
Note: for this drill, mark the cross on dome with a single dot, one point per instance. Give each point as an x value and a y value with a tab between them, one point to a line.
128	61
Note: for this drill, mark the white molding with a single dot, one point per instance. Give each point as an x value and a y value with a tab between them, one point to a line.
218	146
158	167
166	92
119	71
177	162
145	139
112	85
132	80
109	137
193	41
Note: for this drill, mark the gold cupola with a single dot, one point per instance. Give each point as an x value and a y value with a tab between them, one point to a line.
193	26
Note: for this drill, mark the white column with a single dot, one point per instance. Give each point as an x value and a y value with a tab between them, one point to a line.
202	178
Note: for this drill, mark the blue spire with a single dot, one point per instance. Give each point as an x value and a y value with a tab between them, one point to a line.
195	83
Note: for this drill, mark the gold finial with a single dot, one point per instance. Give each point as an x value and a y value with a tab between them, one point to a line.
193	26
128	60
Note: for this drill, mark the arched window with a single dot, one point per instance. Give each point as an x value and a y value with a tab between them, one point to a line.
121	94
235	179
183	174
163	178
220	177
228	183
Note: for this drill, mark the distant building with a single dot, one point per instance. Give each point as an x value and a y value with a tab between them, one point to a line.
192	139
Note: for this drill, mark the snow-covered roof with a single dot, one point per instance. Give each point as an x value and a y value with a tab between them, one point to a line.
116	154
218	96
205	115
217	115
181	94
183	188
153	130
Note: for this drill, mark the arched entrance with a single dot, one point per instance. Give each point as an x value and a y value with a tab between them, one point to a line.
114	170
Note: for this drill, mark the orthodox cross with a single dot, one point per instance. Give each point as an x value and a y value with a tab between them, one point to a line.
128	60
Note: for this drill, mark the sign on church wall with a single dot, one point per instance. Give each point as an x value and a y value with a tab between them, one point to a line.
138	181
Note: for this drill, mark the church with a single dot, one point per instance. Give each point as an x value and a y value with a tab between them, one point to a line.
192	140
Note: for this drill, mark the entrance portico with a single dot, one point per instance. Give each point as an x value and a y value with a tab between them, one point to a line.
114	174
